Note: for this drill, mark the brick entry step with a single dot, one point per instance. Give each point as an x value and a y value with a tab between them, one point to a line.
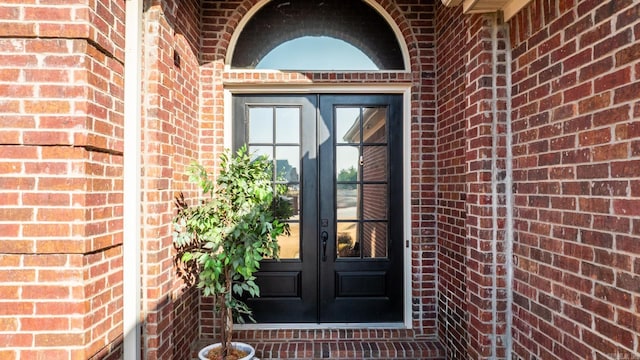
338	344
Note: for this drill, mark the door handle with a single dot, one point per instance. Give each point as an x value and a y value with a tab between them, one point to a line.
324	236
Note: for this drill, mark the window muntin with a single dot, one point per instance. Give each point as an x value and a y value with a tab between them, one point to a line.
274	131
361	175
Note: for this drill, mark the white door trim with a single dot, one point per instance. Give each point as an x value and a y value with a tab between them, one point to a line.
400	88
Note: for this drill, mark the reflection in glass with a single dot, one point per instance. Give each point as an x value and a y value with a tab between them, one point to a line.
260	125
374	202
287	125
290	244
348	243
347	125
316	53
374	125
347	202
347	163
374	163
287	163
261	150
374	240
362	169
292	195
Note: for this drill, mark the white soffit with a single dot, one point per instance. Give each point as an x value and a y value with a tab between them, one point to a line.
508	7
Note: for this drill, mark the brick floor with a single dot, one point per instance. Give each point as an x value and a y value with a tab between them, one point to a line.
338	344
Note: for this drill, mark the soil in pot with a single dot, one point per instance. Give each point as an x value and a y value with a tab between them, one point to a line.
215	354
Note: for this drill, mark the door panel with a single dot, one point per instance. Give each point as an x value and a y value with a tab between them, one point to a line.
284	128
362	279
340	157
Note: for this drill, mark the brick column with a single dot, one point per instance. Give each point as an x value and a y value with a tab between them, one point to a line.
60	180
486	292
451	61
170	142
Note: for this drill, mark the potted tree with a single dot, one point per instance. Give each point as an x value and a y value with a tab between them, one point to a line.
222	239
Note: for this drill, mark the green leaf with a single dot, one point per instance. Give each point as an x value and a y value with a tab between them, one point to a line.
226	234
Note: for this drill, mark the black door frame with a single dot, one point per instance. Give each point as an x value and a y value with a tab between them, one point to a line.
311	227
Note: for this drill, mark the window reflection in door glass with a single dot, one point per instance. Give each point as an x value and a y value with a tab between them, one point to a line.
287	125
347	125
347	164
292	195
374	125
290	244
348	240
261	150
347	201
284	148
374	163
261	125
374	202
287	164
374	240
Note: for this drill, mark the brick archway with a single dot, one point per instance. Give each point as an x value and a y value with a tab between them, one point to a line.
388	11
356	23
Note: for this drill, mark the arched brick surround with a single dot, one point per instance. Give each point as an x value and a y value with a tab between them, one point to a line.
357	23
220	23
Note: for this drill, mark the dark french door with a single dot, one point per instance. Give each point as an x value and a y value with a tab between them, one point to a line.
340	158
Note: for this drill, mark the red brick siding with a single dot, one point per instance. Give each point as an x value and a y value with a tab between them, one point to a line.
184	324
486	202
451	54
60	305
157	172
221	19
170	142
576	90
60	179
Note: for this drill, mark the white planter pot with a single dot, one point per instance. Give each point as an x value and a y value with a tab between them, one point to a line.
202	355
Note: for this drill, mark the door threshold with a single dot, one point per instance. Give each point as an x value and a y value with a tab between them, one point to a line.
321	326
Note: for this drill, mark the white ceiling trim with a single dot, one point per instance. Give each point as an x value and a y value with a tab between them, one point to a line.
508	7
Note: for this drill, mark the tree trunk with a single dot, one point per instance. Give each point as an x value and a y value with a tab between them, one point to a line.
226	319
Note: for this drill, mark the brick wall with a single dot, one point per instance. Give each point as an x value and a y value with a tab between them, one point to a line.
451	154
60	180
170	126
486	286
184	324
576	96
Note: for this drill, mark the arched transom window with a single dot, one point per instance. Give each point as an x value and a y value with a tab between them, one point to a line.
317	35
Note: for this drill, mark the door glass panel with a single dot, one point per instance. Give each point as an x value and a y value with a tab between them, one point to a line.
263	141
347	202
287	164
347	125
361	152
288	125
347	163
288	176
374	125
374	240
292	195
261	150
374	202
290	244
261	125
374	163
347	239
